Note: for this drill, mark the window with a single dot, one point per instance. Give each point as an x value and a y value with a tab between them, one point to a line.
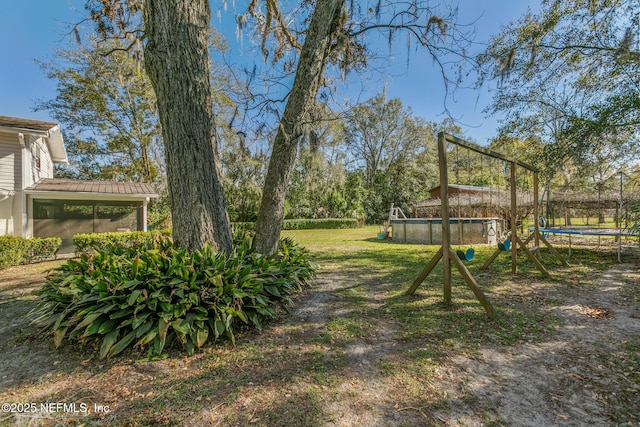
64	218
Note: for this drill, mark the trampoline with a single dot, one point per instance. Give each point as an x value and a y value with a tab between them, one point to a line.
588	231
583	231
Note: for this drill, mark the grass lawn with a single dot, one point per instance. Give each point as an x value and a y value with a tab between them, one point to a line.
356	350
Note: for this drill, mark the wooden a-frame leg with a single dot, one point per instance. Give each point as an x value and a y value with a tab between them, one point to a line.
492	258
531	257
425	272
554	251
471	282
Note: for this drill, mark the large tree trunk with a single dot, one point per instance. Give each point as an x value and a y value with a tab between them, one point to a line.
313	58
177	60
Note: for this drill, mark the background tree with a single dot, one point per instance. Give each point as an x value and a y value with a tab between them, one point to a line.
379	133
107	106
570	76
243	176
383	139
318	181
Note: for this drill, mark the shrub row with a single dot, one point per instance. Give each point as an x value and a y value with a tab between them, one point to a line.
316	224
310	224
16	250
88	243
97	242
152	295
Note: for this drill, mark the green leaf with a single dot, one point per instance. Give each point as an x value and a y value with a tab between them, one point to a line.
190	348
130	284
144	328
59	320
194	299
87	320
107	326
166	307
158	345
108	342
272	290
58	335
244	279
262	300
134	296
107	308
219	328
122	313
147	338
135	266
181	327
201	337
87	299
239	293
231	336
122	344
242	316
137	321
92	329
253	316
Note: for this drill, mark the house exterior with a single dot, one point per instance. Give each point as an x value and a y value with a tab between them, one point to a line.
35	204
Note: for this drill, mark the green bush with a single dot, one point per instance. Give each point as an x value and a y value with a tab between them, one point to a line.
152	294
308	224
97	242
317	224
15	250
43	248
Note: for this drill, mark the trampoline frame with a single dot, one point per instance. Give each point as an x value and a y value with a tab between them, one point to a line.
597	232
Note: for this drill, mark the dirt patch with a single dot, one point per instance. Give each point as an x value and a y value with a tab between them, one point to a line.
24	356
565	380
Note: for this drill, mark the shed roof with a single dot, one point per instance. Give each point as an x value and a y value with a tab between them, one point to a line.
98	187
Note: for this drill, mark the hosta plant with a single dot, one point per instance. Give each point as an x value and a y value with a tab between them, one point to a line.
153	295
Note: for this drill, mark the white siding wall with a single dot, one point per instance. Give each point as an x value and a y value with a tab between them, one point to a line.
47	163
10	162
44	167
6	216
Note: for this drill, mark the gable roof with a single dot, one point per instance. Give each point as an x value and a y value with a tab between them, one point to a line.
49	130
140	189
26	124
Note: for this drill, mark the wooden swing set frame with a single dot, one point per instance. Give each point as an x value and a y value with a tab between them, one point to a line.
446	252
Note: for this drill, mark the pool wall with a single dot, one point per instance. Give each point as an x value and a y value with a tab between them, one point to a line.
462	230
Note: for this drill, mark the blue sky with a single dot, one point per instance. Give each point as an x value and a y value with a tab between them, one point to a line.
32	30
